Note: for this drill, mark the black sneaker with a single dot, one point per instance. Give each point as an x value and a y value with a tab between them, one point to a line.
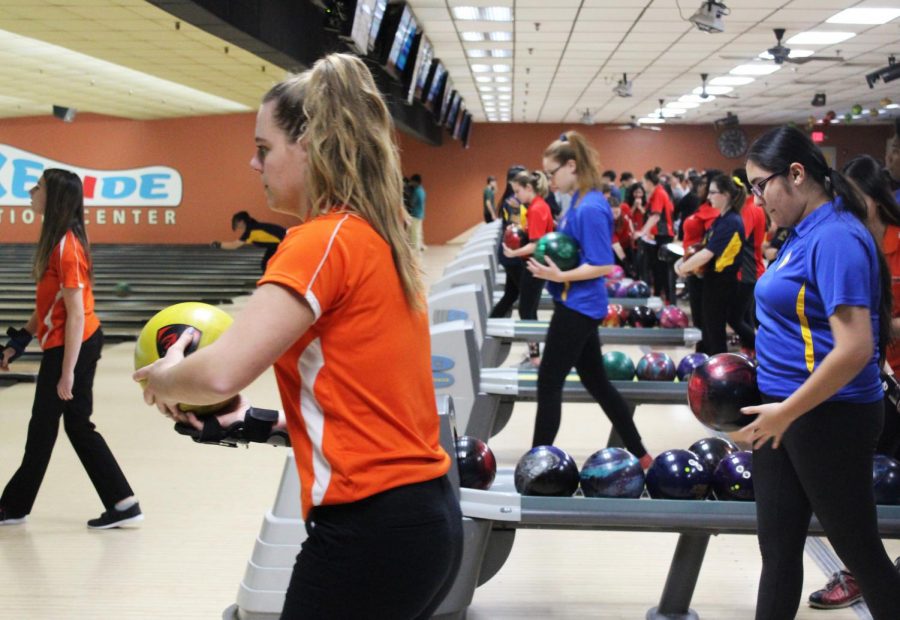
8	519
117	518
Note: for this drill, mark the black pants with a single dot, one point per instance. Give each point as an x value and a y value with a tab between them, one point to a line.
572	340
504	307
530	289
694	285
393	555
889	441
96	457
269	253
663	274
488	216
721	304
823	466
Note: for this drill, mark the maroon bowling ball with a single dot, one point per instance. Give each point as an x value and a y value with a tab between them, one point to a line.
719	388
673	317
655	366
642	316
514	237
476	463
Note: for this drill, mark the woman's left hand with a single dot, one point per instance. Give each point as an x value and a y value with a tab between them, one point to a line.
507	252
545	272
771	422
65	385
151	374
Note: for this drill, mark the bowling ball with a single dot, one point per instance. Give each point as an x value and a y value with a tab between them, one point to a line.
733	478
123	289
546	471
712	450
688	363
476	463
560	248
655	366
638	289
642	316
719	388
673	317
623	313
612	288
613	316
886	479
618	366
678	474
514	237
612	472
616	274
164	329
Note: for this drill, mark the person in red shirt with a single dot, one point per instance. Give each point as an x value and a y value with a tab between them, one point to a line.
341	314
69	333
623	233
636	204
694	228
530	189
657	231
874	185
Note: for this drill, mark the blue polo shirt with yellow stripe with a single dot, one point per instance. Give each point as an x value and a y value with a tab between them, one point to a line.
725	239
828	260
590	222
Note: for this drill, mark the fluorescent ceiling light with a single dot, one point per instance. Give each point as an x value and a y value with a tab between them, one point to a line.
731	80
713	90
465	12
892	106
504	89
477	53
502	68
504	97
755	69
481	68
500	36
820	37
683	105
488	96
695	99
483	13
667	111
501	78
472	36
794	54
482	79
486	89
500	53
647	120
864	16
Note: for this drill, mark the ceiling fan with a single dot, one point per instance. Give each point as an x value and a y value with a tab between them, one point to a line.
781	54
623	87
705	95
634	123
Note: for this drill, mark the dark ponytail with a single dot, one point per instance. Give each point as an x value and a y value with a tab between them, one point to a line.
874	181
776	150
653	175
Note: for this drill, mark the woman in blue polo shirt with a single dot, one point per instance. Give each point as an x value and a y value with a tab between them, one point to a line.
824	312
723	254
579	296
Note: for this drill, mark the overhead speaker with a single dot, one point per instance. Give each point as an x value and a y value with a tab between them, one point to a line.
67	115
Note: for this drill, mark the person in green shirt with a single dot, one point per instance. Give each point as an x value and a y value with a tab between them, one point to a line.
490	211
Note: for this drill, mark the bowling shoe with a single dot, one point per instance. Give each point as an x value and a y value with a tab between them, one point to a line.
841	591
8	519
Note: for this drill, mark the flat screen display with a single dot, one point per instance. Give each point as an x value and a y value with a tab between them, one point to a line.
403	39
420	71
377	17
436	89
456	128
362	25
452	110
465	130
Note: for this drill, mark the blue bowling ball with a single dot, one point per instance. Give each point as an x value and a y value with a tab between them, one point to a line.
612	472
688	363
733	478
886	479
546	471
711	450
638	289
678	474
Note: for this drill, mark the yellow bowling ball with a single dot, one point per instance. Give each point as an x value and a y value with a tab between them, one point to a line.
167	325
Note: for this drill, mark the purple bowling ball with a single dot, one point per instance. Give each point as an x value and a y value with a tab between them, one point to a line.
733	478
688	363
638	290
673	317
612	472
886	480
678	474
655	366
612	288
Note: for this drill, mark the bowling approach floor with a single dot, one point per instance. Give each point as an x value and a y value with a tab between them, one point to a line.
204	506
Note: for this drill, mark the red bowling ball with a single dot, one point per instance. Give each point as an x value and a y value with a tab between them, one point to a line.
673	317
720	388
655	366
613	316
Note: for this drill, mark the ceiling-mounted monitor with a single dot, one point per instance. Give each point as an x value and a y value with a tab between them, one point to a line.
465	130
400	55
435	95
418	71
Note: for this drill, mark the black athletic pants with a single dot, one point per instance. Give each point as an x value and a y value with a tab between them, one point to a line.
572	340
504	307
96	457
393	555
663	274
530	289
721	304
823	466
694	285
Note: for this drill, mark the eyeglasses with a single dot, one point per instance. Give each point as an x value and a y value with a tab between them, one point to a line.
760	186
712	191
550	173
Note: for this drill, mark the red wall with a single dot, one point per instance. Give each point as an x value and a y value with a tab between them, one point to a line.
212	154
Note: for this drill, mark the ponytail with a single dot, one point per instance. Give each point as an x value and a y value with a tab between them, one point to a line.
572	146
536	180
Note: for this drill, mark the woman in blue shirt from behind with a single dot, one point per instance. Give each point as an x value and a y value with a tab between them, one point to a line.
824	313
579	295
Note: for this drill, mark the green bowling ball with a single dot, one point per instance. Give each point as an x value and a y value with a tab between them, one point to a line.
123	289
618	366
560	247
